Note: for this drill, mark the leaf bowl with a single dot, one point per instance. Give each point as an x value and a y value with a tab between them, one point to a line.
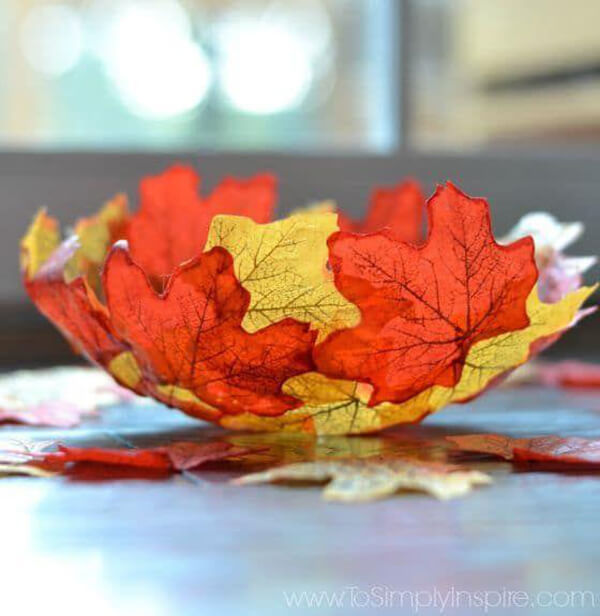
314	323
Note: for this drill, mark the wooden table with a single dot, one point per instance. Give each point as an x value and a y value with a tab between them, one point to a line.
195	544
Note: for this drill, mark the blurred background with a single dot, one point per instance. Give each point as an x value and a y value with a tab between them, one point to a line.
170	74
296	74
500	96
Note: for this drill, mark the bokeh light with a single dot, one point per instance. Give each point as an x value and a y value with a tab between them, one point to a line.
307	20
268	57
263	69
150	56
51	39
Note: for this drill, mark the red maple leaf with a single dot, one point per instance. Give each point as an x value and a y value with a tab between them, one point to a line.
399	209
177	456
569	373
551	449
191	334
172	222
423	307
74	308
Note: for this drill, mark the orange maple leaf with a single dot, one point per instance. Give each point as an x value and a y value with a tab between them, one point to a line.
423	307
172	222
553	449
399	209
177	456
73	307
191	334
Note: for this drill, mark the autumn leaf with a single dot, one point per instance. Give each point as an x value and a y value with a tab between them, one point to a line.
330	406
21	451
38	244
190	336
56	397
95	235
283	265
568	451
555	449
548	233
568	373
490	360
72	306
16	457
398	209
424	307
172	223
186	455
493	444
138	458
175	457
24	469
558	274
374	478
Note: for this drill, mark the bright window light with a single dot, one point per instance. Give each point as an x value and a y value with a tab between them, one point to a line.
51	39
263	67
156	67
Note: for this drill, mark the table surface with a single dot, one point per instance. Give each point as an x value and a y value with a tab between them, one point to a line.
185	544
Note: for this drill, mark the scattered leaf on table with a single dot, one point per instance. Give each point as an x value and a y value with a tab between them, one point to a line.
139	458
56	397
570	451
18	451
16	456
25	469
569	373
493	444
374	478
177	456
186	455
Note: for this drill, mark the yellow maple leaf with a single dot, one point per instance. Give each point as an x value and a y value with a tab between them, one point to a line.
40	241
356	480
93	241
16	458
94	232
125	369
283	265
330	406
94	238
